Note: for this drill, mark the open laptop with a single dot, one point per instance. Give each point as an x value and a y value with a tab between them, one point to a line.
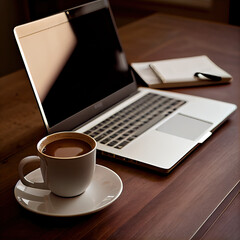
82	82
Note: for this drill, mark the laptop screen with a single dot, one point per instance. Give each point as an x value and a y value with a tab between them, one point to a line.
75	62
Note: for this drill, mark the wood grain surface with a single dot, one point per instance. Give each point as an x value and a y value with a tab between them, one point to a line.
151	206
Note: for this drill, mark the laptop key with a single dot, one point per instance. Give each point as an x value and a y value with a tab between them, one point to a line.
127	124
111	144
122	144
148	125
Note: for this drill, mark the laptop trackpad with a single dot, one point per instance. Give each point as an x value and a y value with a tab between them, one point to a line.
184	126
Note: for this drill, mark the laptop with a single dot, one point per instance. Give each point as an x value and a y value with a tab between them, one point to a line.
82	82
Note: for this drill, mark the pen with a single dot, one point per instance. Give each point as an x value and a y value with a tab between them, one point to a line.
208	76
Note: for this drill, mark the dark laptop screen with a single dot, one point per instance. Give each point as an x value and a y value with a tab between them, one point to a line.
94	68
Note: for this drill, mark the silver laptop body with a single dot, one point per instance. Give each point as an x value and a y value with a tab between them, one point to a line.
82	82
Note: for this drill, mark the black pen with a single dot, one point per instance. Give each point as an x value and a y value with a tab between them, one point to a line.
208	76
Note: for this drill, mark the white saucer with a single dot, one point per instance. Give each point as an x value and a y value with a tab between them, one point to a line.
104	189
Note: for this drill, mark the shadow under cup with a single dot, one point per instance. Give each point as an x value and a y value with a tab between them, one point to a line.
67	176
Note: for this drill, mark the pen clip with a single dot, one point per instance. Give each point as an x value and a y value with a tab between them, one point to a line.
207	76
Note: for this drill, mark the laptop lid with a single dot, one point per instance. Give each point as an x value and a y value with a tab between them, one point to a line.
76	64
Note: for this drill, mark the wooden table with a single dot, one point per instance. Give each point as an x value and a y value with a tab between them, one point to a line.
199	199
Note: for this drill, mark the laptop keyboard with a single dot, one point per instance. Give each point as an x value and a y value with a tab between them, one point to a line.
130	122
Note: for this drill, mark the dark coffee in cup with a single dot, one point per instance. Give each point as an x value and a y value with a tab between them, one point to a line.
67	161
66	148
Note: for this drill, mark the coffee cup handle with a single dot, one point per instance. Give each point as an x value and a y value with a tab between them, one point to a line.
26	182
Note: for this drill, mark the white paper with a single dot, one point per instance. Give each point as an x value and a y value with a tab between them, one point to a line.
178	70
145	72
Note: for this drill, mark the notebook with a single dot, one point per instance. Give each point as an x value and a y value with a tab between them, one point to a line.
82	82
181	72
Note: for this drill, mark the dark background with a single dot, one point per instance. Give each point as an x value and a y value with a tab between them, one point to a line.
17	12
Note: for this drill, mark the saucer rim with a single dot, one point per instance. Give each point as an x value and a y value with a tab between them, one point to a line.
94	210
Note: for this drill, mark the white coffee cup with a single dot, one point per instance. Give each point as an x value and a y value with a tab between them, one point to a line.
65	173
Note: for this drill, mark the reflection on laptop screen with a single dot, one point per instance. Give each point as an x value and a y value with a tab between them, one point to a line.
94	68
75	60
